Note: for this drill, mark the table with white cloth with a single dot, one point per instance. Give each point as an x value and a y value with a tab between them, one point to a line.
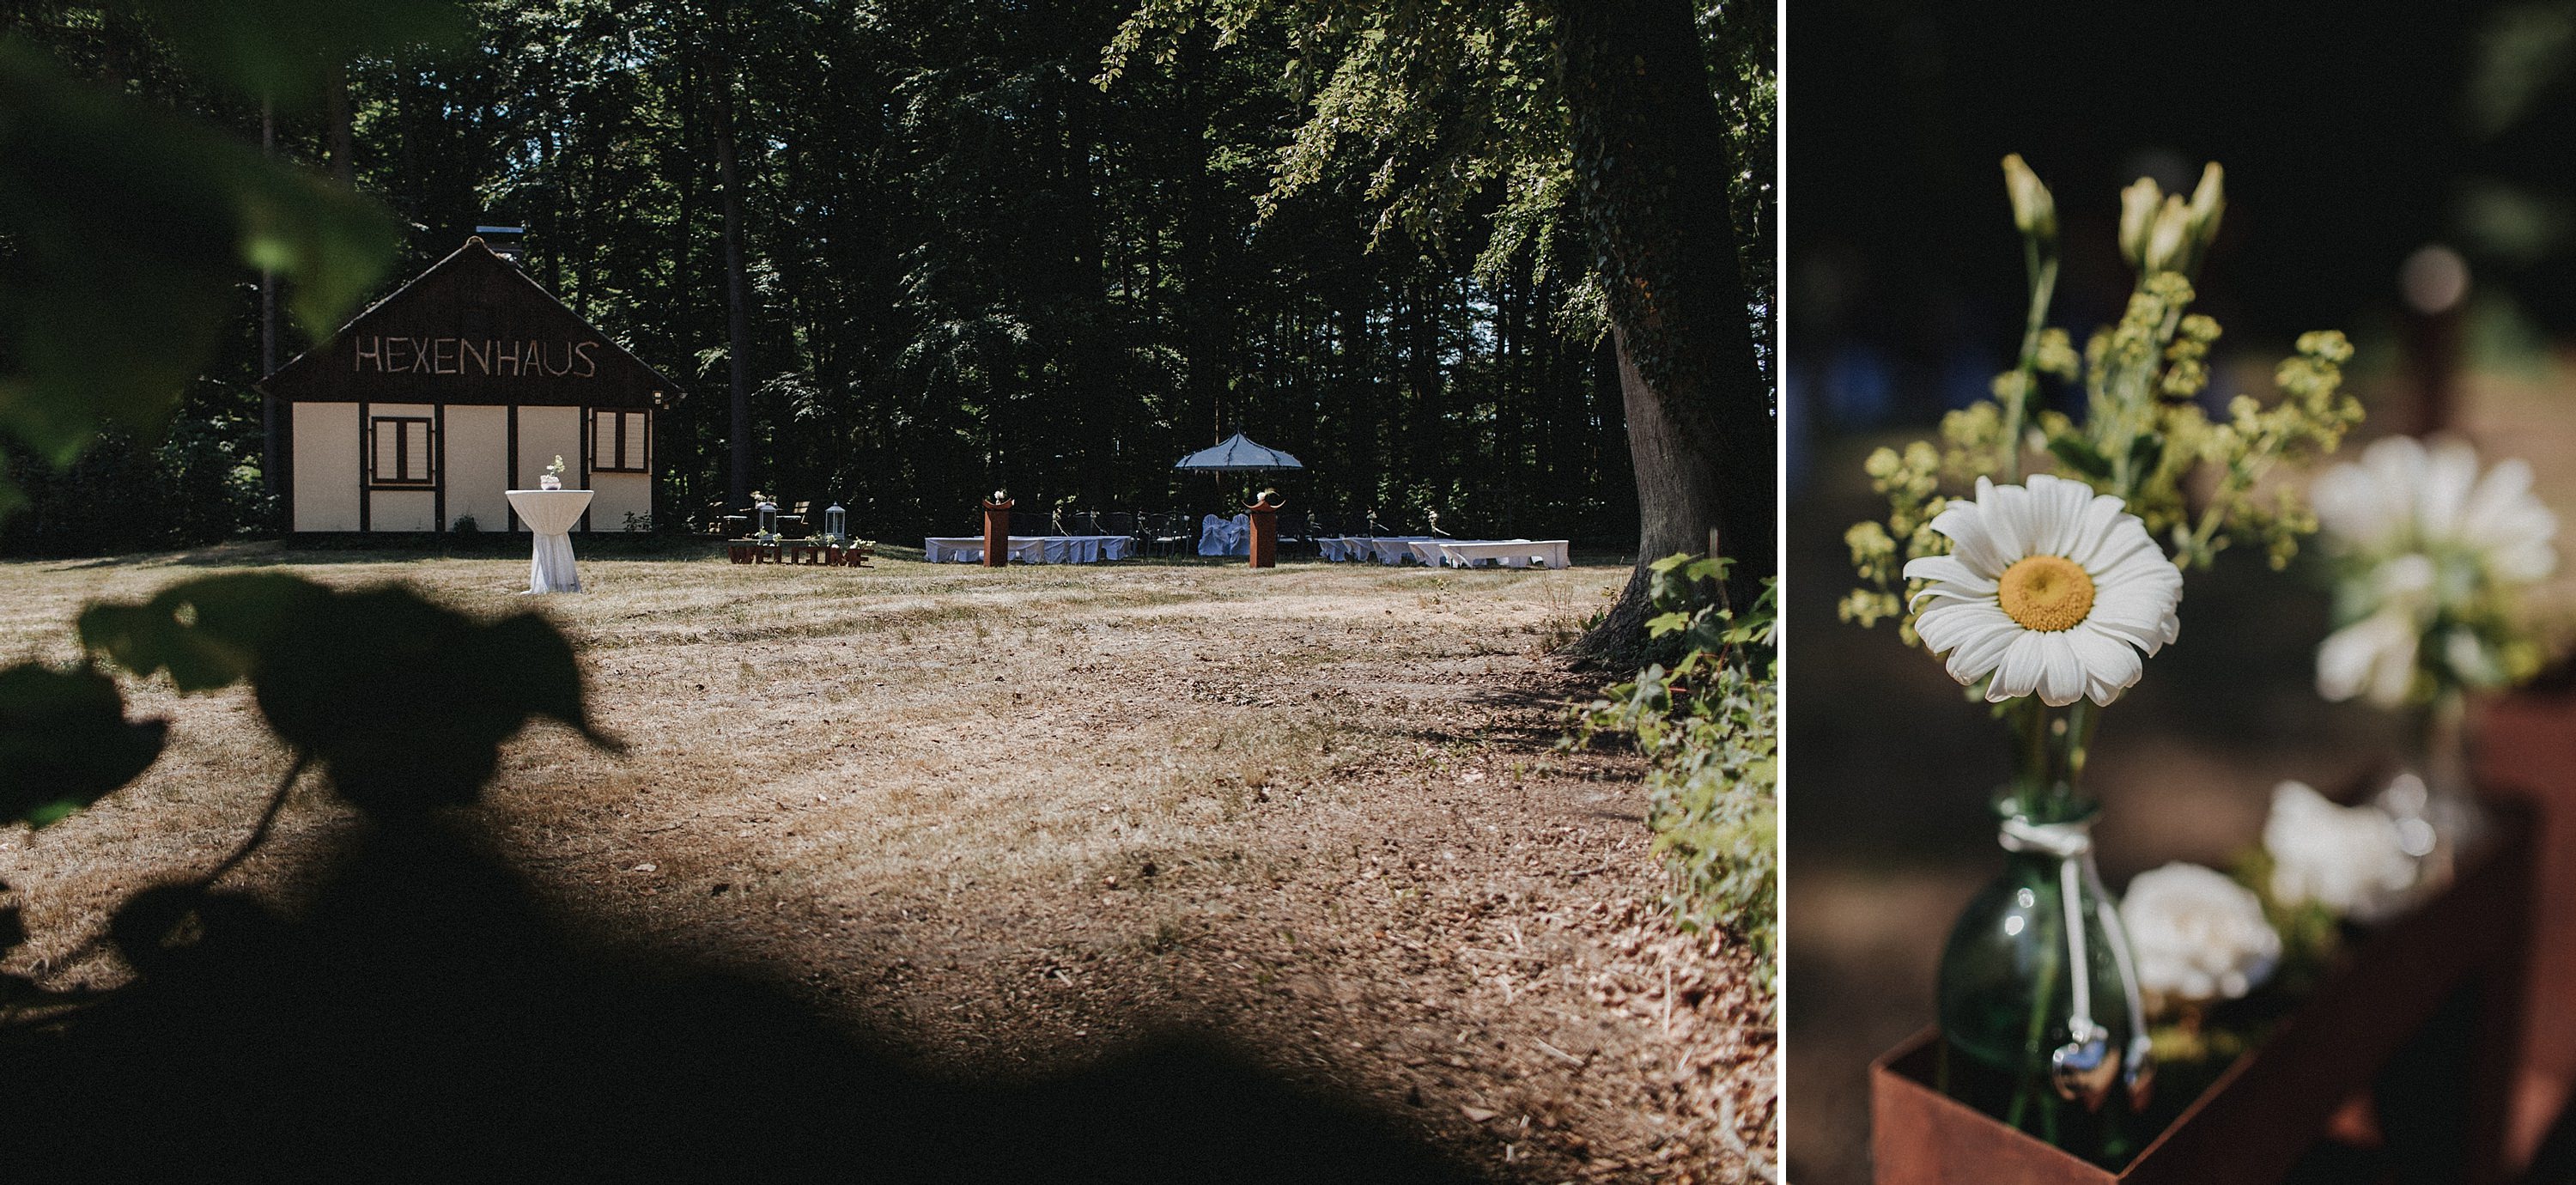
1510	553
1392	549
1339	549
551	516
1030	549
1441	550
1225	536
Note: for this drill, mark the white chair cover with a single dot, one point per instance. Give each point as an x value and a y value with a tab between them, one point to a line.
1218	536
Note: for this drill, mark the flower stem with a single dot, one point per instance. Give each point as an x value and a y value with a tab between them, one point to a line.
2080	720
2031	721
2029	1086
2042	268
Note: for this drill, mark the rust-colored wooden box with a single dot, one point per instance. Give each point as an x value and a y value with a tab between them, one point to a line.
2425	1016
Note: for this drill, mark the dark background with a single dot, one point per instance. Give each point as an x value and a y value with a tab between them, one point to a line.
2352	136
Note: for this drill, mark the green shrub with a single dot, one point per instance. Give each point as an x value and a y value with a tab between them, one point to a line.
1709	727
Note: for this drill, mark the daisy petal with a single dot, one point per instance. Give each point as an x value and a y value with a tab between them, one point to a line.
1950	571
2111	665
2018	674
2061	677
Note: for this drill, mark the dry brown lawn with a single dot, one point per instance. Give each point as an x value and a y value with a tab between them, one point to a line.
1023	819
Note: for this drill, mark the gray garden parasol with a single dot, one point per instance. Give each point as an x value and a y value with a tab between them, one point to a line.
1237	455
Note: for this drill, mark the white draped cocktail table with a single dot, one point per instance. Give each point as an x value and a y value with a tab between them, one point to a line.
550	515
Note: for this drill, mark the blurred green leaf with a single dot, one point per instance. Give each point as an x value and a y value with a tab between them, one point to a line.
405	701
65	741
207	633
2080	456
129	232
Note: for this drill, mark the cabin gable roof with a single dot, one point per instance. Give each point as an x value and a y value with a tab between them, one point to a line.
473	329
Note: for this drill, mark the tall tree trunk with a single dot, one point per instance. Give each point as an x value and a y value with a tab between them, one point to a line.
1206	298
344	157
272	425
737	299
1651	164
688	460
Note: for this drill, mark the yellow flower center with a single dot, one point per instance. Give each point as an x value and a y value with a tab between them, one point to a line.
2047	593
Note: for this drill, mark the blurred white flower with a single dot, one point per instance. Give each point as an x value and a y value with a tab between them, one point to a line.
2403	496
2197	935
2049	588
2352	860
2431	544
2377	653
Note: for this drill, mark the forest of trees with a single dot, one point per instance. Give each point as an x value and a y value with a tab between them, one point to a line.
965	263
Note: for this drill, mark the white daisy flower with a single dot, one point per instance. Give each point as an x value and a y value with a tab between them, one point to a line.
2050	589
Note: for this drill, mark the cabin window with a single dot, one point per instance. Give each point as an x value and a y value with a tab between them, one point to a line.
617	443
401	451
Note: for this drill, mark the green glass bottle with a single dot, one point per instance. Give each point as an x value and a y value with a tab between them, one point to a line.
2059	1055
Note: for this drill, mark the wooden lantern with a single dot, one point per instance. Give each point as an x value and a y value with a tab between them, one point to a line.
997	530
1264	515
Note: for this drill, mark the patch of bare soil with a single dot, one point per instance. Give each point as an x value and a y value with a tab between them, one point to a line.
1030	819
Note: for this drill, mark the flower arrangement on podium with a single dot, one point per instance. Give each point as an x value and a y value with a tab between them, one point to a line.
2040	552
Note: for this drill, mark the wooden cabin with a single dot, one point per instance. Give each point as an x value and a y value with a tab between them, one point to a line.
464	383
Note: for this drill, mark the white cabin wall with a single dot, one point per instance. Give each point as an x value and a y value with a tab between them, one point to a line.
478	465
326	467
544	434
619	494
401	510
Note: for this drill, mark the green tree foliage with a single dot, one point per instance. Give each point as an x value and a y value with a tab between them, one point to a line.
132	226
1630	118
1450	113
967	264
129	234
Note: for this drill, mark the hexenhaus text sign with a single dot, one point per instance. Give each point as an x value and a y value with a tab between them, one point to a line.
379	354
473	329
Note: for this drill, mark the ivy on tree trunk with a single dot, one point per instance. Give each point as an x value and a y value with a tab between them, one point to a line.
1651	168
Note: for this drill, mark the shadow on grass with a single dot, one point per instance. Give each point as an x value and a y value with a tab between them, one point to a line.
426	1022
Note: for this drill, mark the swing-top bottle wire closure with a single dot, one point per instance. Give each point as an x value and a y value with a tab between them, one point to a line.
2083	1069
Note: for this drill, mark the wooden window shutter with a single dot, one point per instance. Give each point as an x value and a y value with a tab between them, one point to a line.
416	452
